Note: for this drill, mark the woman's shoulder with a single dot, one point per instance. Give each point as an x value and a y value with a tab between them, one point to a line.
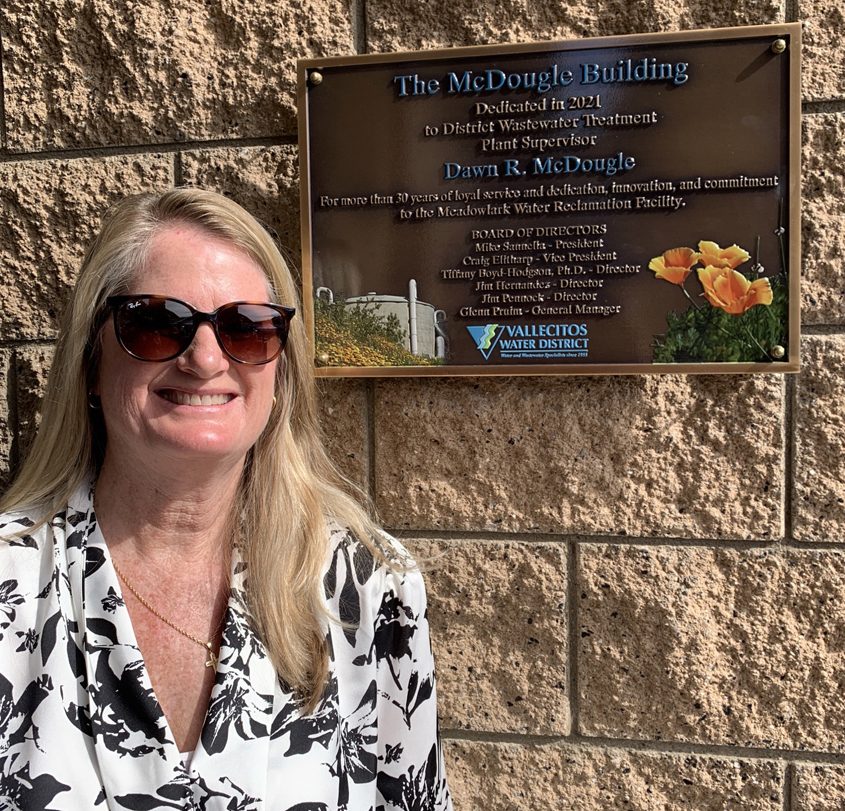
379	569
23	539
22	528
382	547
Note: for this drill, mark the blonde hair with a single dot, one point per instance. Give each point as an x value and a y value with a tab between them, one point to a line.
289	487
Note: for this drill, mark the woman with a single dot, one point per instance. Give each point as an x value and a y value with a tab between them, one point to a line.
194	612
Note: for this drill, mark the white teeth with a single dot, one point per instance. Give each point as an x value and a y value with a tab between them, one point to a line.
184	398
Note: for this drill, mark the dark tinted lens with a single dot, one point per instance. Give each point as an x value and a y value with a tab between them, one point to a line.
154	328
252	333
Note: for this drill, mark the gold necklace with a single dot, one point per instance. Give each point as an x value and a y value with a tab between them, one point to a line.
212	657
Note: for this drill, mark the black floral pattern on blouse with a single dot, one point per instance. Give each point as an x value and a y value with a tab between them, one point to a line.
81	727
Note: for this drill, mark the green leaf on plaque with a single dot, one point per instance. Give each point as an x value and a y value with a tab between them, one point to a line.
707	334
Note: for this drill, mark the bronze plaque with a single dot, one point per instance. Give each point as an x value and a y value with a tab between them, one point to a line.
626	204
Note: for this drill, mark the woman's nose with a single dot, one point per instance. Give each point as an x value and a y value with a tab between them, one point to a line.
205	356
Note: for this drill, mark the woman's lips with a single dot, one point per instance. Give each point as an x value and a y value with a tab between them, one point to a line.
193	398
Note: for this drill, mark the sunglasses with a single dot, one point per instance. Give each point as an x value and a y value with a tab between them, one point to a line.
157	328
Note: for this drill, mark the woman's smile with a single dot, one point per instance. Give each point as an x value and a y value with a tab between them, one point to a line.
185	398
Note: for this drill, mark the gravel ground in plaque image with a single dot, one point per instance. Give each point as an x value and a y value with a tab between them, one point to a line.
376	330
734	313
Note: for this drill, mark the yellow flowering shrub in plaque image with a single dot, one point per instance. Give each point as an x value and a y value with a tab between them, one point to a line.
737	316
358	335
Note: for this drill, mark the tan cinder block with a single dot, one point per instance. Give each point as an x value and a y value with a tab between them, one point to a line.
83	74
51	211
32	364
265	180
498	620
819	498
343	415
511	777
394	26
818	788
824	62
722	646
823	219
6	429
644	455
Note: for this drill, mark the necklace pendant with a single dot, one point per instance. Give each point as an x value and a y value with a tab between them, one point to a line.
212	659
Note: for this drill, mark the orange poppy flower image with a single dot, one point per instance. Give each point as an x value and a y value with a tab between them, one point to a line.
731	291
674	265
713	256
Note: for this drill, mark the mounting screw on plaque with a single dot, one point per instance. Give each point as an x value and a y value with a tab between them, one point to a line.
323	359
315	78
778	351
779	46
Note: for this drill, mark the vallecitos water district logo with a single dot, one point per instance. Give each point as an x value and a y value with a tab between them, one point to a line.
485	338
531	340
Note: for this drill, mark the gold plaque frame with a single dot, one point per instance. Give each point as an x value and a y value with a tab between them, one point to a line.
782	41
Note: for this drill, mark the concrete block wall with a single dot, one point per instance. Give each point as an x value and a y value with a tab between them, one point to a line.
637	595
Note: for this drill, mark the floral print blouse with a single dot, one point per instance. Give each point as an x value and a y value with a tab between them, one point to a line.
80	726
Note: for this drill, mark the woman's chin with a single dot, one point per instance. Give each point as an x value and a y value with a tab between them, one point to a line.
210	448
206	446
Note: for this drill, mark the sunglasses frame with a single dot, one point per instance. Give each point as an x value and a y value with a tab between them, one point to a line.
115	303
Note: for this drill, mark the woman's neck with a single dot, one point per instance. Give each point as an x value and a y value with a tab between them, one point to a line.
165	518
